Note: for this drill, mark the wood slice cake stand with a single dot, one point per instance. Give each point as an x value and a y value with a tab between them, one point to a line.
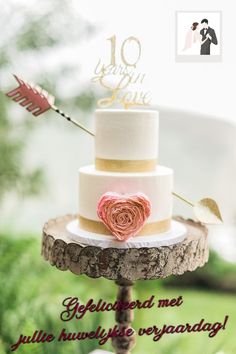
124	265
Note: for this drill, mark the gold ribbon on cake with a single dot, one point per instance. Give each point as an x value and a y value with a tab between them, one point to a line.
98	227
125	165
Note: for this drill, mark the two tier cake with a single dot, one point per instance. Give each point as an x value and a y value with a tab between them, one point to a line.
126	193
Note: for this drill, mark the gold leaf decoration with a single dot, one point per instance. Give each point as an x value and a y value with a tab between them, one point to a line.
207	211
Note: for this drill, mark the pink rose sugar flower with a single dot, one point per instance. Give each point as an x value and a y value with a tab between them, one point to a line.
123	214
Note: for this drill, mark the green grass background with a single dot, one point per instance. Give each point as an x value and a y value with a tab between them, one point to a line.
32	291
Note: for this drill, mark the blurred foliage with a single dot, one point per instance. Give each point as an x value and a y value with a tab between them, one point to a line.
86	100
29	33
13	175
217	275
33	301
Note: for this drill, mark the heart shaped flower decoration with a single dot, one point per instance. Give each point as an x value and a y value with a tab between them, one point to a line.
124	214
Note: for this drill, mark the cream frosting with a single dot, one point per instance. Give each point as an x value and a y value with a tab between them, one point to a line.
156	185
126	134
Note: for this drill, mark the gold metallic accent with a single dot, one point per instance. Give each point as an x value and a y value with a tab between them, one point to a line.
206	210
148	229
125	165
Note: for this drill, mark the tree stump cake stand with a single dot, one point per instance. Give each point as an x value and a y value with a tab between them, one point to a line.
124	265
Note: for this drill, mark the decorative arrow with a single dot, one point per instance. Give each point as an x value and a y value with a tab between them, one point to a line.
37	101
206	210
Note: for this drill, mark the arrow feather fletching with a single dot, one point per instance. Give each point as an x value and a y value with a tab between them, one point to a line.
32	97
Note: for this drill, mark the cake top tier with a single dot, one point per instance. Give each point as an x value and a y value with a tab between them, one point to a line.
126	140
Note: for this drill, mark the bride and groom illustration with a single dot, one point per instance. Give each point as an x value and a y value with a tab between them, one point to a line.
199	40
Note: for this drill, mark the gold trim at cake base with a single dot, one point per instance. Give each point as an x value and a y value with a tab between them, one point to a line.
98	227
125	165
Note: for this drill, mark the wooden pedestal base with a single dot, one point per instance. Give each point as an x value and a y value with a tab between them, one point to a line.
124	266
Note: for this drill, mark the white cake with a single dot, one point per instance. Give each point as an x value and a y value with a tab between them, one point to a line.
122	135
126	168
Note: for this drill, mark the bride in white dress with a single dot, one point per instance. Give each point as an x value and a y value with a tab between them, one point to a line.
193	40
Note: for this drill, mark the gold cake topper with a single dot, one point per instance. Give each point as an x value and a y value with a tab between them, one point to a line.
120	76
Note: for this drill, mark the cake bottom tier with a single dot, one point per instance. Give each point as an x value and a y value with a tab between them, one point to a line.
156	185
177	233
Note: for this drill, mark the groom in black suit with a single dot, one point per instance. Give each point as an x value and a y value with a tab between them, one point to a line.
208	37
